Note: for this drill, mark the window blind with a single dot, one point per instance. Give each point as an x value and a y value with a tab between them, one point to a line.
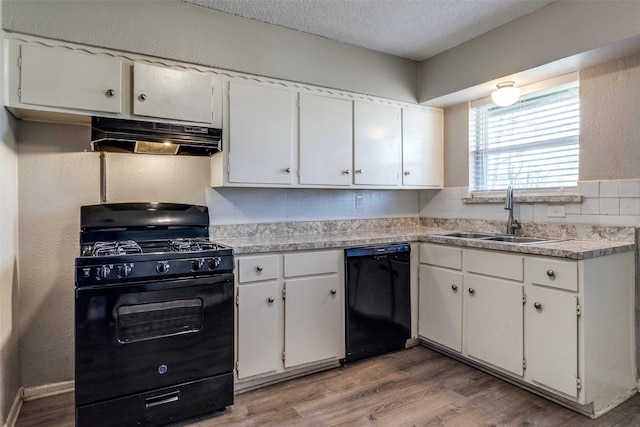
532	144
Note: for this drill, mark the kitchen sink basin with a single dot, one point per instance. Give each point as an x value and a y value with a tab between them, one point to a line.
515	239
470	235
494	237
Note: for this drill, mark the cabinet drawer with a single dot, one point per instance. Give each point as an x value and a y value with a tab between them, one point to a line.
254	269
305	264
495	264
554	273
442	256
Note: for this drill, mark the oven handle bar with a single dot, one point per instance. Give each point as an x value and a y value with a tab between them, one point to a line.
163	399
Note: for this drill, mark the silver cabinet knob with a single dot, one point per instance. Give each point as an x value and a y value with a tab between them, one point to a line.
454	288
142	97
271	300
110	93
551	273
333	291
287	170
358	170
259	268
407	173
472	291
346	171
537	306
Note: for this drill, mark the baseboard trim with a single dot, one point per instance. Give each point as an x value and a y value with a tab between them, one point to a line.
47	390
12	419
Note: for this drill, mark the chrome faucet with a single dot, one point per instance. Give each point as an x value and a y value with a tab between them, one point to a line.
512	224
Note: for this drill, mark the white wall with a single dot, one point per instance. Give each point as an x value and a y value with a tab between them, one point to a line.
610	120
609	126
185	32
9	289
254	205
559	30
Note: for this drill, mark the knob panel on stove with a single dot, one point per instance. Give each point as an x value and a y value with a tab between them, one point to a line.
163	267
103	271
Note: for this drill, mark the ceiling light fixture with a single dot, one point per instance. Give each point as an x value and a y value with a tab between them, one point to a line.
506	94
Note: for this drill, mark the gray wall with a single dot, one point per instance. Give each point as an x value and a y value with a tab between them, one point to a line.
9	321
557	31
180	31
609	126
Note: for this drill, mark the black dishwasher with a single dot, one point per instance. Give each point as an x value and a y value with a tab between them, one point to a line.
378	302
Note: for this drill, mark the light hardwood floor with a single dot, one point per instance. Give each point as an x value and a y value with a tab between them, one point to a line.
414	387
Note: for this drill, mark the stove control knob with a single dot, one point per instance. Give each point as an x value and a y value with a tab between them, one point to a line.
103	271
214	262
197	264
124	270
162	267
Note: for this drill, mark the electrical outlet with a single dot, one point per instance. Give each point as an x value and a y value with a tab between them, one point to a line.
358	200
555	211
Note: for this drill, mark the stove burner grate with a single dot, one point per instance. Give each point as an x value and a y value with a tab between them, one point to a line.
124	247
190	245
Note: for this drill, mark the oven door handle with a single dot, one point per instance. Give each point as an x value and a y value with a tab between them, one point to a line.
162	399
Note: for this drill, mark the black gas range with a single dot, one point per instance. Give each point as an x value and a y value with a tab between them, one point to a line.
154	315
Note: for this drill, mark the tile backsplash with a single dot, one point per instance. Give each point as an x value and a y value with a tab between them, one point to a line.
603	203
615	202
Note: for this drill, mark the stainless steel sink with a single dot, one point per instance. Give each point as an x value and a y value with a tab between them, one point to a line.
470	235
515	239
494	237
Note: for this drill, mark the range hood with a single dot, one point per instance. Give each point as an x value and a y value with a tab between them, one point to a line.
131	136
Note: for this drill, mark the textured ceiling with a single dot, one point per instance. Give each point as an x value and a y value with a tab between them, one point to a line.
413	29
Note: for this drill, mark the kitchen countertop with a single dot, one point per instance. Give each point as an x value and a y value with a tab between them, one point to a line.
567	248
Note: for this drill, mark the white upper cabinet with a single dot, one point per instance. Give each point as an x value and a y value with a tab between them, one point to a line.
377	144
422	148
57	78
172	94
326	136
261	134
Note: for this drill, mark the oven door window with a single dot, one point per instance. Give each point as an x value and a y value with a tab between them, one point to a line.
149	321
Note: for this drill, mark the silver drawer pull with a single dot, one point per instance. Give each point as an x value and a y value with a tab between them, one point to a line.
259	268
142	97
271	300
472	291
537	306
551	273
454	288
162	399
110	93
333	291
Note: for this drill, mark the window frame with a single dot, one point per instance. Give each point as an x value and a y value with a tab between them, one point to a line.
540	191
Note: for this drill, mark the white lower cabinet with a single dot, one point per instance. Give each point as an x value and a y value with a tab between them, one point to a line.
493	322
312	328
258	329
552	333
563	327
290	312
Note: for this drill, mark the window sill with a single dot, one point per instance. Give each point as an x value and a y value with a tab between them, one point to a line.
531	199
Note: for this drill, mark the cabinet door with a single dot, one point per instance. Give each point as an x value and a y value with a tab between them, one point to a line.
313	313
172	94
552	339
55	78
261	134
258	349
440	306
493	325
377	144
326	136
422	148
